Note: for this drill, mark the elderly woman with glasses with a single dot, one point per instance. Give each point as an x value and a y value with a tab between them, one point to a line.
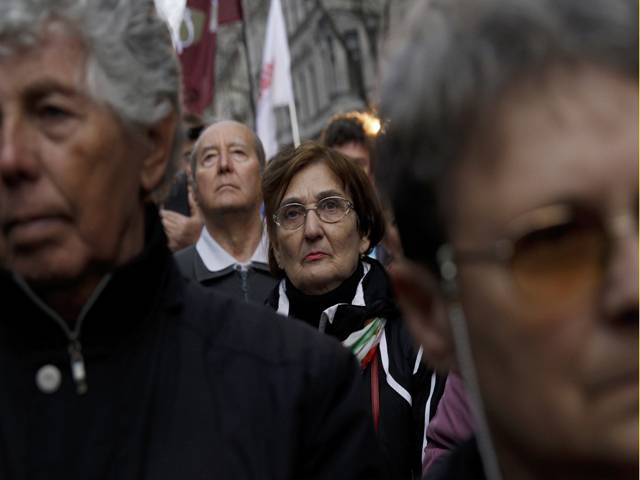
323	217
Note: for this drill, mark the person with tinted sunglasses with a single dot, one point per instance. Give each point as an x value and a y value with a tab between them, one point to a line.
513	125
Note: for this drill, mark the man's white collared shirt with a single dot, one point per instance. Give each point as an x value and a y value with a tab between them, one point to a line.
216	258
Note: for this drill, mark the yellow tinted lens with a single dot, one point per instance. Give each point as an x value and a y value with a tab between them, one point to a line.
559	263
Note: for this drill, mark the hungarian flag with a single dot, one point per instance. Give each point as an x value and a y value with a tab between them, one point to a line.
198	47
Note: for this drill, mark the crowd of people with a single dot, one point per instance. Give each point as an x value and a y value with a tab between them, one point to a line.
453	296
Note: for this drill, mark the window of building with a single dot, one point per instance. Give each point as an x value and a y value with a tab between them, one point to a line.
313	84
352	42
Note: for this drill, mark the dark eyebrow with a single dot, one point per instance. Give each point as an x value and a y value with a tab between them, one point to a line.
561	208
290	200
329	193
319	196
46	87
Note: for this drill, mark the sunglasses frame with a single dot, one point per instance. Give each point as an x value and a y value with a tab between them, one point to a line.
503	250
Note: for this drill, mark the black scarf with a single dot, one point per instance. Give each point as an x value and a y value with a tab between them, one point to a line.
309	308
348	318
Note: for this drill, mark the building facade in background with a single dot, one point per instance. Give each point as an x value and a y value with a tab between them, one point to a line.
335	49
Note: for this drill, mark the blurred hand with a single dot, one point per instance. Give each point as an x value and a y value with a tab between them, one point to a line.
182	231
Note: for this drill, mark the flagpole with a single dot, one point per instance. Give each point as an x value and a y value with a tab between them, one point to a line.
293	114
245	41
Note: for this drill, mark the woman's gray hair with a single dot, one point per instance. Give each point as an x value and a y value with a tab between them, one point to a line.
131	64
457	61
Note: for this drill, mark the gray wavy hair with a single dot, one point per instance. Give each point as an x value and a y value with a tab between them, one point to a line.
457	59
131	64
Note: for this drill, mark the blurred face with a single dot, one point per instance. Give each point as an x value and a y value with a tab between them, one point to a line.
358	153
318	256
558	366
227	175
70	176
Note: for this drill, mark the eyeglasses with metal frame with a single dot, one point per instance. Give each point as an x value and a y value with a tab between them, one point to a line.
292	216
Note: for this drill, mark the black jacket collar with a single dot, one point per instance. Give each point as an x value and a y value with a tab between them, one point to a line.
135	290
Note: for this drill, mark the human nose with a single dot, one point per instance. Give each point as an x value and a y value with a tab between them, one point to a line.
225	164
16	156
312	225
621	282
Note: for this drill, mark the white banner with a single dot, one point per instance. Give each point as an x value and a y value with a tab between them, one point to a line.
276	88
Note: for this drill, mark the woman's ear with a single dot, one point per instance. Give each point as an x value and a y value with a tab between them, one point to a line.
364	244
160	137
424	311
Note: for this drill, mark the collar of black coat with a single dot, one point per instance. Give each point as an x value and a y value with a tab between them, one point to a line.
309	308
136	290
378	300
202	273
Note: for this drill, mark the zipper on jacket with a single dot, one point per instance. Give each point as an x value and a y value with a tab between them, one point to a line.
78	371
76	360
244	284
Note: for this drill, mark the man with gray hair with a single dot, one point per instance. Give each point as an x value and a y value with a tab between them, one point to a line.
111	364
231	253
513	127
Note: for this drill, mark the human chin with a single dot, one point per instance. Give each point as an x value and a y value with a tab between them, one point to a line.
624	440
619	432
50	264
229	203
319	277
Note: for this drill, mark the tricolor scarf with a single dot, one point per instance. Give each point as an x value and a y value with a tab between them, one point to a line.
363	343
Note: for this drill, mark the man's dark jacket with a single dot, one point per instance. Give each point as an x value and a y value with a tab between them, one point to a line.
183	383
254	283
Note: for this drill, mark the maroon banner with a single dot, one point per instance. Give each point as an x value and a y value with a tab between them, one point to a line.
198	42
198	37
229	11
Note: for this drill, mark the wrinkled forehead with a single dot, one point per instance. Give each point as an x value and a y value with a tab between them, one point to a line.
224	134
56	61
312	182
23	32
544	122
571	134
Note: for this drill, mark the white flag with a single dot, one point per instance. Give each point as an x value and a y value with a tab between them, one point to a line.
276	89
172	12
